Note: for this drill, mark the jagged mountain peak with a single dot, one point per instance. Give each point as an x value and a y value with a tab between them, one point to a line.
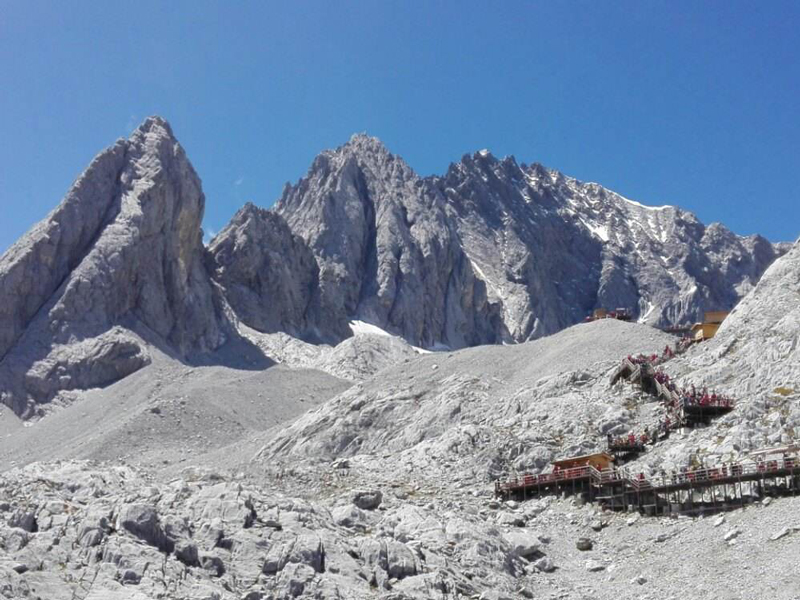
154	124
354	165
386	252
482	160
360	148
365	142
249	210
118	261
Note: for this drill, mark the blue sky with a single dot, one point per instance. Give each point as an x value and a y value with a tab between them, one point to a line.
687	103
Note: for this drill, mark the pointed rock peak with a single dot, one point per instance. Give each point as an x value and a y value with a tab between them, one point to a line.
248	209
255	215
718	229
481	157
539	173
538	170
364	139
361	144
155	125
359	148
359	152
478	161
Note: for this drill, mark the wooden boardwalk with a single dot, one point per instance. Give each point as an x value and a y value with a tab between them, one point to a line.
726	484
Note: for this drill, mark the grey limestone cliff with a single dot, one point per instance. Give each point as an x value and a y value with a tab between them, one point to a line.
120	258
270	277
387	251
552	248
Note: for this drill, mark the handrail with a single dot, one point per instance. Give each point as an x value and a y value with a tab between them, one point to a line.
543	478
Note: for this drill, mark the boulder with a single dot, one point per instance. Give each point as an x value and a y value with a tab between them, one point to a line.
24	519
584	544
545	564
142	521
594	566
367	499
350	516
523	544
212	564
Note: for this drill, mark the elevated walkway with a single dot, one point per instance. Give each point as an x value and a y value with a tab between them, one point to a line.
616	489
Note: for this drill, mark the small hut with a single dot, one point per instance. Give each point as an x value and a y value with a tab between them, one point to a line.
706	330
599	460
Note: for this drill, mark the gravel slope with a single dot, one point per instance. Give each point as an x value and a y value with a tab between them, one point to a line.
169	413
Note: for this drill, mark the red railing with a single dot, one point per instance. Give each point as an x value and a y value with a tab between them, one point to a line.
724	471
559	475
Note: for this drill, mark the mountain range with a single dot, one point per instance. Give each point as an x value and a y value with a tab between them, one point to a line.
492	252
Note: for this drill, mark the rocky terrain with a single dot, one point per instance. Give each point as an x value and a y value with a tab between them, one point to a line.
385	490
264	418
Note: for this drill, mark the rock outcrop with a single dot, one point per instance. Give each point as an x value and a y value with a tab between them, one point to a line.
118	261
270	277
757	349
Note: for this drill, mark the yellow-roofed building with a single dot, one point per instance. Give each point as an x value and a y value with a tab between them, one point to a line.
706	330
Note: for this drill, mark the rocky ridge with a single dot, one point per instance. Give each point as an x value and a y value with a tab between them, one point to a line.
530	250
552	248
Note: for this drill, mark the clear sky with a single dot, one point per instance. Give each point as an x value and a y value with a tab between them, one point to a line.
688	103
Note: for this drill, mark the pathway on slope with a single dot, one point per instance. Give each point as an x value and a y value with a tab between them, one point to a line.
616	488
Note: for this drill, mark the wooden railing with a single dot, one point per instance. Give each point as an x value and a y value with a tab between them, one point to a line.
726	471
638	482
561	475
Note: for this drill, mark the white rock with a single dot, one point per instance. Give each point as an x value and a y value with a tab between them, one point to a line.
545	564
594	566
782	533
733	533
